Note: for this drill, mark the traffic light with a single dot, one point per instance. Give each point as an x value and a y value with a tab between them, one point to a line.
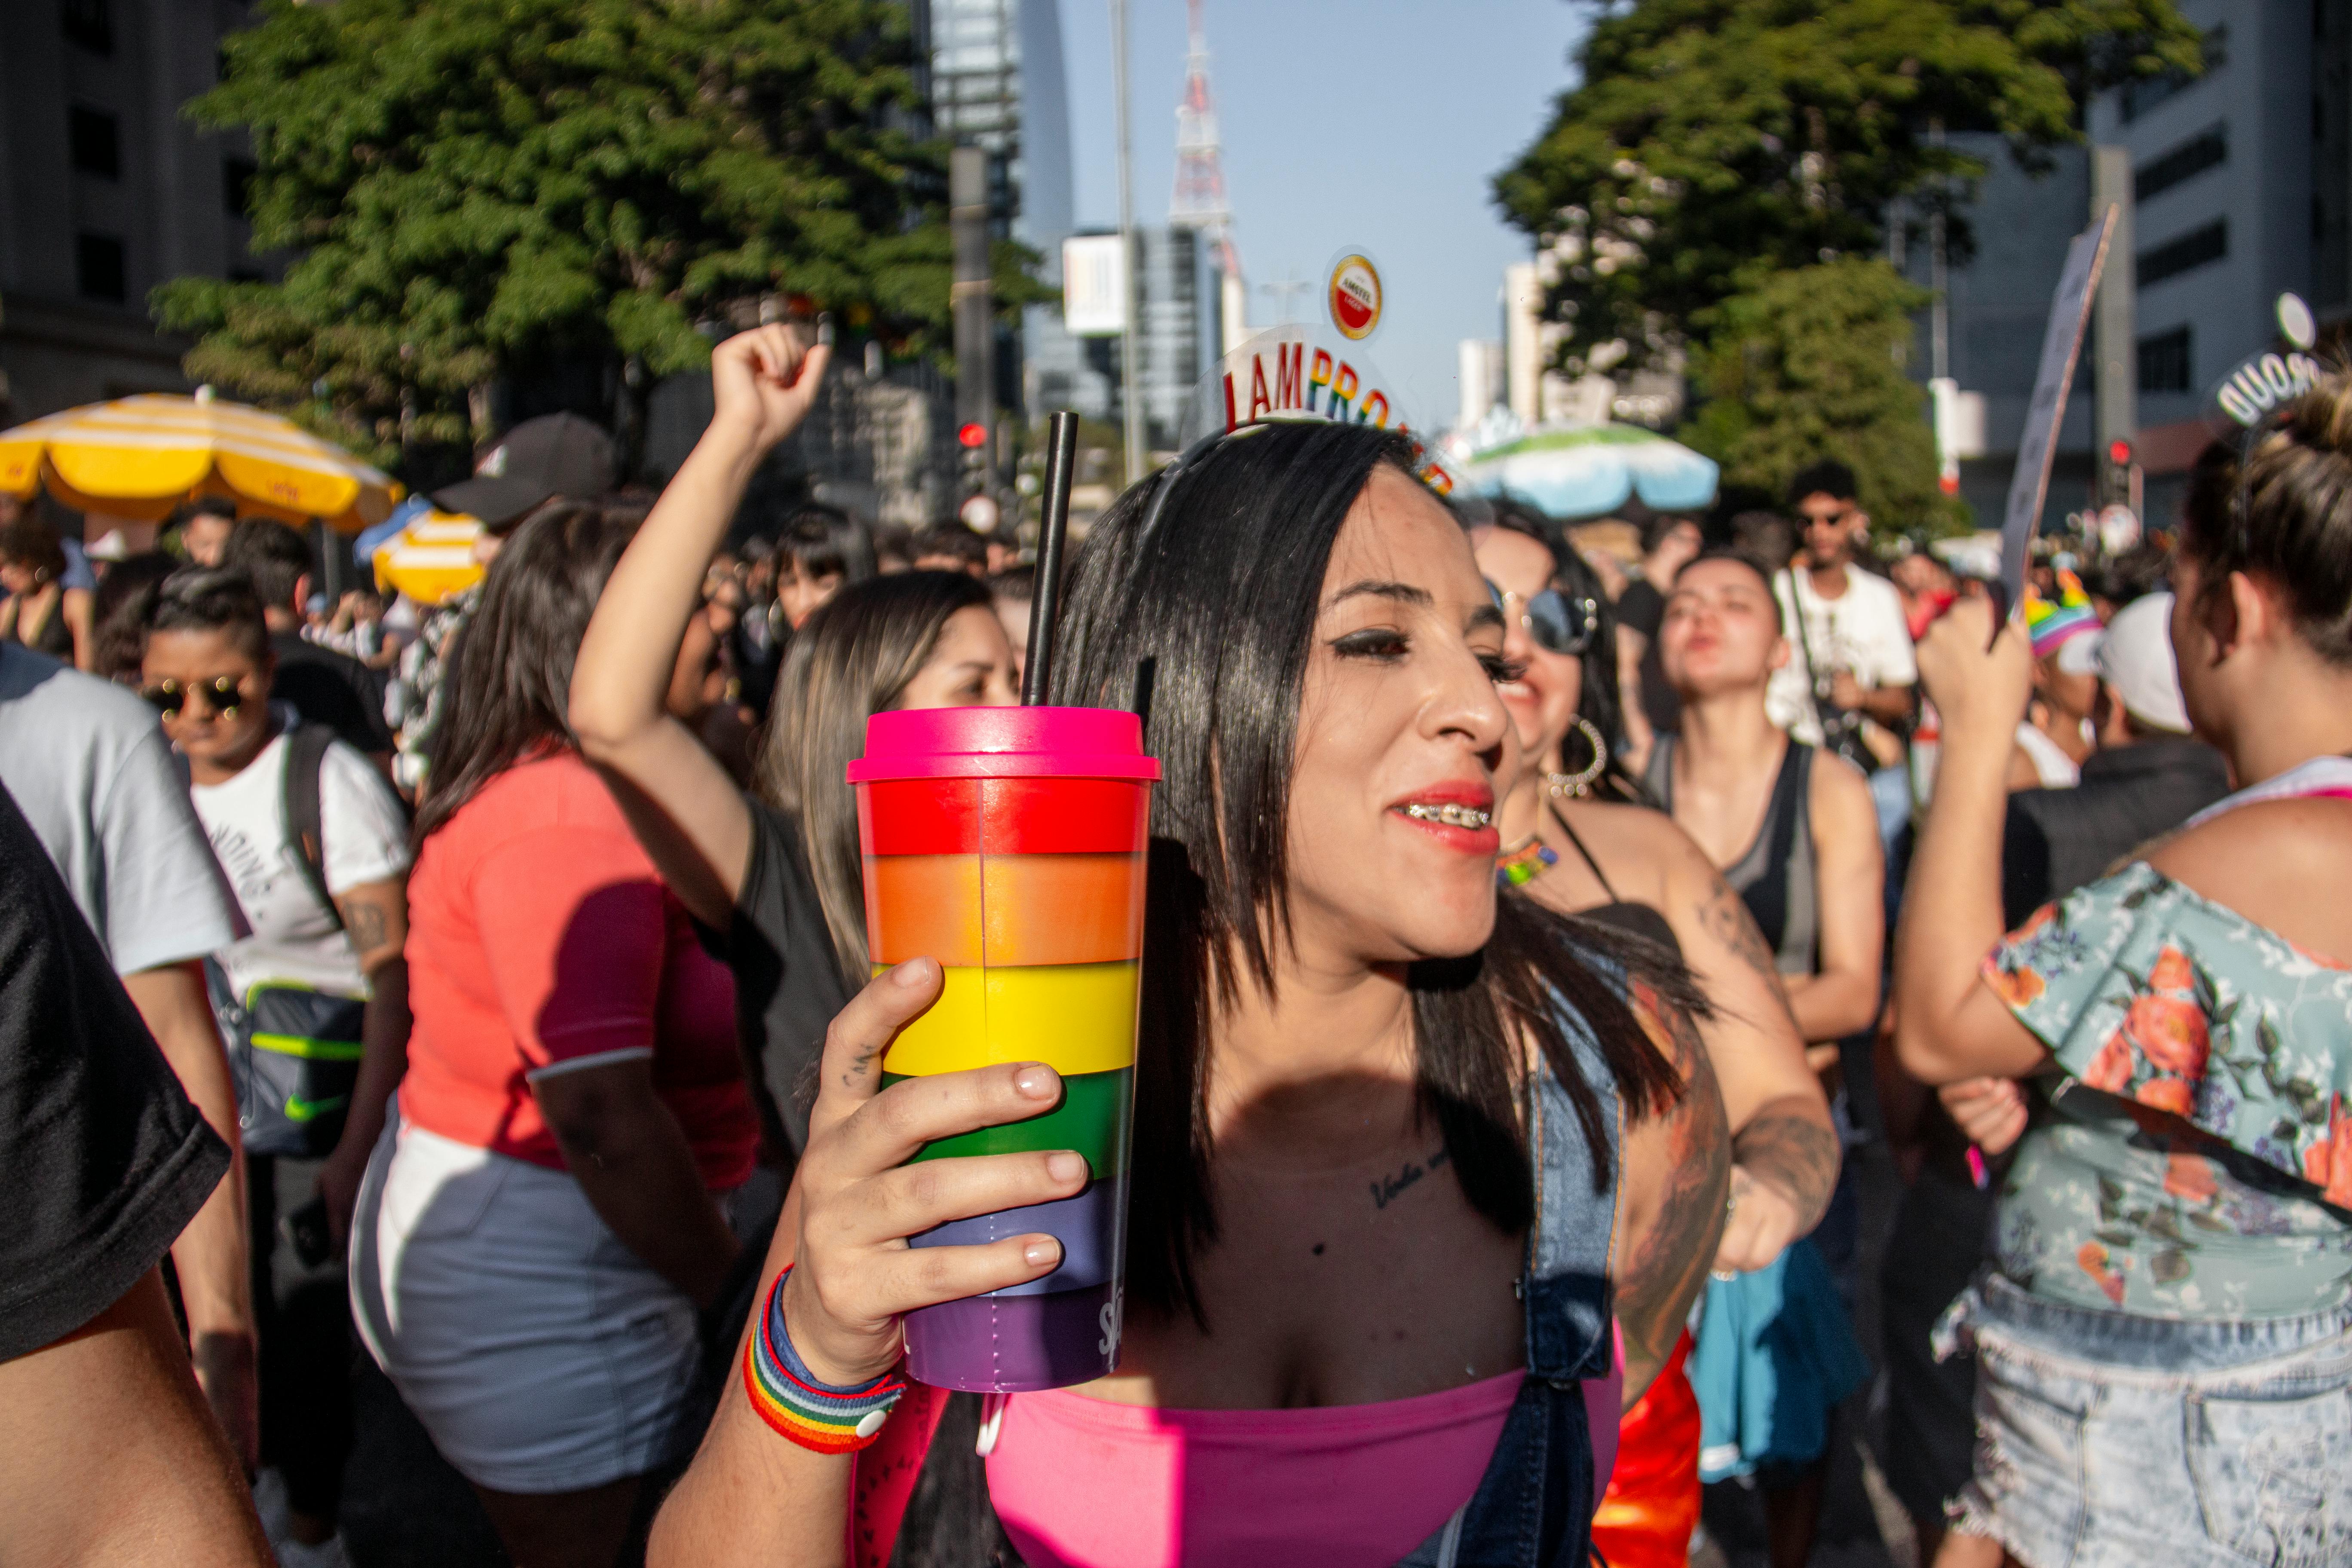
2116	474
972	437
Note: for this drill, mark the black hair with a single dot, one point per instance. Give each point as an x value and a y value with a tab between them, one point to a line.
1598	701
894	547
275	556
119	611
1766	535
210	599
508	690
824	541
1014	584
1739	557
1826	477
2142	570
953	539
2284	513
1207	626
850	661
202	506
1660	524
31	543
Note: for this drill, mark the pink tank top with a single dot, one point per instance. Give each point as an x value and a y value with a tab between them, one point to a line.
1081	1483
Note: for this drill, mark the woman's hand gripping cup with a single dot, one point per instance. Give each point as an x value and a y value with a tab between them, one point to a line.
856	1199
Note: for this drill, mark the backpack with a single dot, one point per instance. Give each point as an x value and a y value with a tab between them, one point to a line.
294	1053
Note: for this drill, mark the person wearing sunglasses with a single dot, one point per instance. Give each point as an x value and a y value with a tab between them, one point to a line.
83	759
1578	837
315	847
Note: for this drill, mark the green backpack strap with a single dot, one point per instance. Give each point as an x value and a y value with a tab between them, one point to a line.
305	754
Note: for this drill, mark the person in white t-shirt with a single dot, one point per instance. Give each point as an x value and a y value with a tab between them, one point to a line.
1853	633
1851	678
329	917
82	759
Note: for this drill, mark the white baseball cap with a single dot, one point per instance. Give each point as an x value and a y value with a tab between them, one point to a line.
2080	654
2136	659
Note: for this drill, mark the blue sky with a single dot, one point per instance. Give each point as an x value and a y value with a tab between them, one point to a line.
1371	123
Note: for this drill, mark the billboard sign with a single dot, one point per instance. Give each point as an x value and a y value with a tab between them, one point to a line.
1095	285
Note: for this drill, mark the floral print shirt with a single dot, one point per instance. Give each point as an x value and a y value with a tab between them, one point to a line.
2174	1009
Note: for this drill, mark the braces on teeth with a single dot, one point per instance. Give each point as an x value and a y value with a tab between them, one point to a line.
1452	815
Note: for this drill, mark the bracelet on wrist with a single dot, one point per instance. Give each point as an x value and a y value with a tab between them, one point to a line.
825	1417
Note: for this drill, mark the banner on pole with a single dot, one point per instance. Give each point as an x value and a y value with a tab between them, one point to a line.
2061	346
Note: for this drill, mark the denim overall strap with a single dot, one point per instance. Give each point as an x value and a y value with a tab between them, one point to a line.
1533	1508
1567	1285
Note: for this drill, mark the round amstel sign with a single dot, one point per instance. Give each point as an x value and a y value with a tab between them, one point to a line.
1354	297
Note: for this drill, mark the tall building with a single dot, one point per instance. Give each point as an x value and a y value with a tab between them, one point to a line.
1178	336
1997	307
1479	370
106	191
2241	184
2241	181
998	81
1174	286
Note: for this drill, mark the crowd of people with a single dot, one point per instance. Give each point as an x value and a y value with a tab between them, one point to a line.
516	1026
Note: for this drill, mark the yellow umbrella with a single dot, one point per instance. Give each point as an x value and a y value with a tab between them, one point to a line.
139	456
432	560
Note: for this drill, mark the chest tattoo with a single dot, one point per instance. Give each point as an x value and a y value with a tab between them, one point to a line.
1387	1190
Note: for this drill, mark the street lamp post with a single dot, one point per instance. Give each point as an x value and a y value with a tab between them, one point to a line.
1131	404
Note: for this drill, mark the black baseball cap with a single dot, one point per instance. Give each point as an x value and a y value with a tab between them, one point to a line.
554	455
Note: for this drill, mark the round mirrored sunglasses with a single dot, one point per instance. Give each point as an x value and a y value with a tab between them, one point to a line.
223	694
1558	623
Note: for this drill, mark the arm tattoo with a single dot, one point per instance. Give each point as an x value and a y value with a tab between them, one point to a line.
1723	915
1662	1274
1794	1152
366	925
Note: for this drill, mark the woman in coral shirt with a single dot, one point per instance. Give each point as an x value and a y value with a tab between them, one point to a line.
535	1237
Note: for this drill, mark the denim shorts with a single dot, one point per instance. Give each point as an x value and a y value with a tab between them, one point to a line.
540	1353
2112	1440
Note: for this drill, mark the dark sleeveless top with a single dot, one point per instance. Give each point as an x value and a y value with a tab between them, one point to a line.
55	639
1632	918
1776	877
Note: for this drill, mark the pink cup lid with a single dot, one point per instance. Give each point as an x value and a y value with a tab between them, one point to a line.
1004	742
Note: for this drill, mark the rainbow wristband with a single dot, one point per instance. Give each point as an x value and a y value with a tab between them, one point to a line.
822	1416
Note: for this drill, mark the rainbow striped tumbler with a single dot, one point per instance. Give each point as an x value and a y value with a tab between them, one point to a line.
1008	843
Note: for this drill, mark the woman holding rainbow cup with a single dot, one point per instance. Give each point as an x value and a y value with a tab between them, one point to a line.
1390	1140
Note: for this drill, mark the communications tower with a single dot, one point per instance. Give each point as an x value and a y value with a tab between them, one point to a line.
1200	199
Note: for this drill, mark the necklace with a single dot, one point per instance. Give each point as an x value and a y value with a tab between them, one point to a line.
1524	862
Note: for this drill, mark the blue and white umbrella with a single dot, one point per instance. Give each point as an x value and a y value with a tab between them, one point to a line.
1591	470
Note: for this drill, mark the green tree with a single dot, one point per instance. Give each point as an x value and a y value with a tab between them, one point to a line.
472	187
1809	363
1710	138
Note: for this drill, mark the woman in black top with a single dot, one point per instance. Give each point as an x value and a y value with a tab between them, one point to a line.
1584	831
1782	821
777	871
40	612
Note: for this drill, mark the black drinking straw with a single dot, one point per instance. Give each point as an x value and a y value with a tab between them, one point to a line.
1046	600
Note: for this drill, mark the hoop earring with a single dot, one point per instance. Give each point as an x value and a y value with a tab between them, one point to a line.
1577	785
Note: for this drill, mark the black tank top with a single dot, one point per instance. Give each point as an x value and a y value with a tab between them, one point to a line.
1775	878
1634	919
55	639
